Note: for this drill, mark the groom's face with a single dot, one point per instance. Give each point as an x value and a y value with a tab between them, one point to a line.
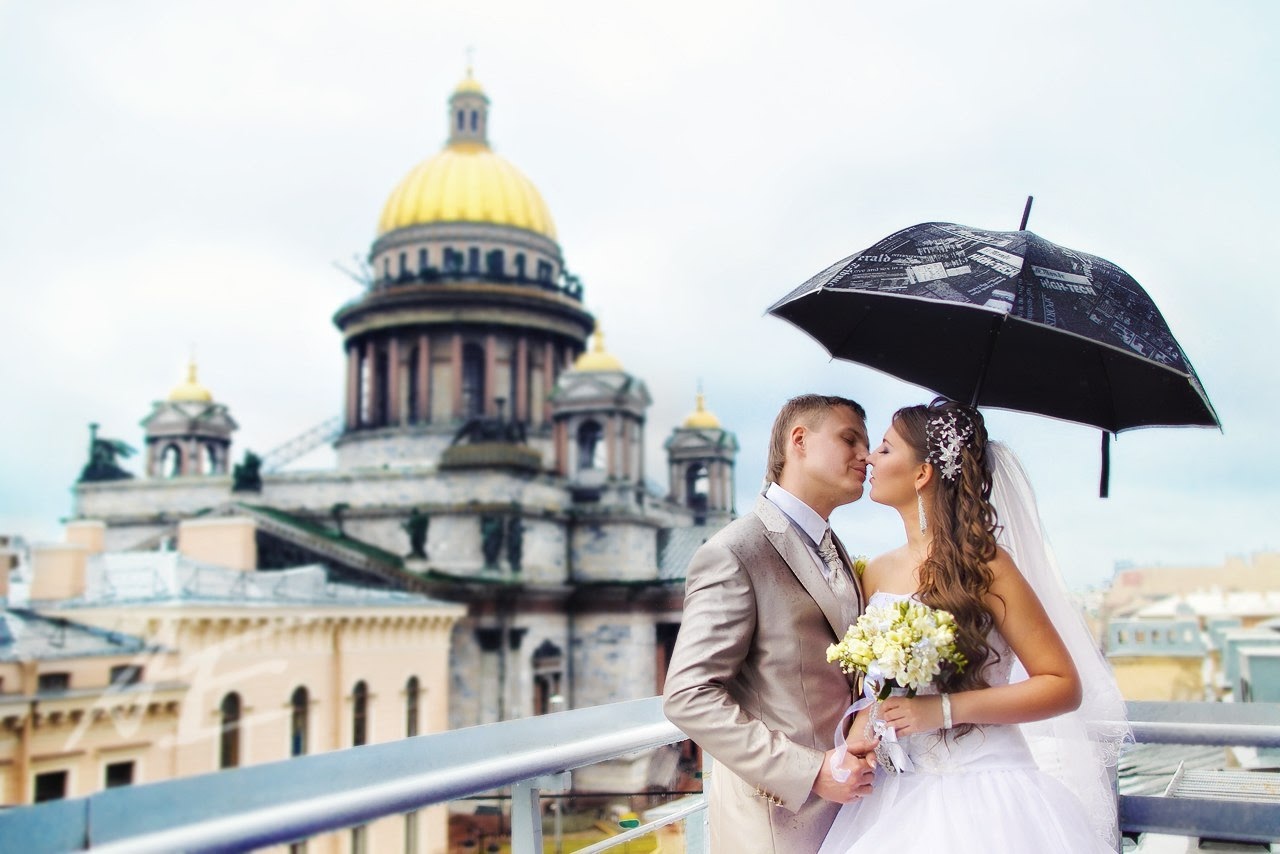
835	455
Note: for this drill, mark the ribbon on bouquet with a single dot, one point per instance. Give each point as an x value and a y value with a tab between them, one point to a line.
892	757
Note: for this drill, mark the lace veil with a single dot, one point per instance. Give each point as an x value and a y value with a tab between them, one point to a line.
1080	748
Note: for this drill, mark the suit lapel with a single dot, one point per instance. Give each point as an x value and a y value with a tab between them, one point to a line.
792	549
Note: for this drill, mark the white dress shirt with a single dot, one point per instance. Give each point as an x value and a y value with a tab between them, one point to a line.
805	518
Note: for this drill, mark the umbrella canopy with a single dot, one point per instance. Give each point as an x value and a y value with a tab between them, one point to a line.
1004	319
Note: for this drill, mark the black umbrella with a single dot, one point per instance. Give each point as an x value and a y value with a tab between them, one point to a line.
1005	319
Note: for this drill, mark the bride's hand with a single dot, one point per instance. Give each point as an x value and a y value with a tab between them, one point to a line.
908	715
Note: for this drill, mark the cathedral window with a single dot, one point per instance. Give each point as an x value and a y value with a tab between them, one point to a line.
171	461
452	260
544	271
473	260
462	119
590	445
422	261
360	714
696	483
300	711
472	380
404	266
412	689
519	262
493	262
229	732
475	119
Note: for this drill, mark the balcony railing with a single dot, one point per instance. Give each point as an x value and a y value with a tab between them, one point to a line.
285	801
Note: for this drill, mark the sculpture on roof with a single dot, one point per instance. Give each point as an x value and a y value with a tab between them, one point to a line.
246	476
102	465
497	428
416	528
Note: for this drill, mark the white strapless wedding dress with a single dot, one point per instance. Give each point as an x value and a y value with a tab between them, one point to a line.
980	793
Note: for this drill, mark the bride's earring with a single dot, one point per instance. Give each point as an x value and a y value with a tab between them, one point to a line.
924	520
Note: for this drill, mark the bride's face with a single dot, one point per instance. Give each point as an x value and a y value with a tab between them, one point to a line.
895	465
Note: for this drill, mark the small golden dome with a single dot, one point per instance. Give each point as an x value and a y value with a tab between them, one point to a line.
191	390
596	359
700	418
469	85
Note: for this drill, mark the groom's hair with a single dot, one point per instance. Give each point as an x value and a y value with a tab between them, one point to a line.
808	410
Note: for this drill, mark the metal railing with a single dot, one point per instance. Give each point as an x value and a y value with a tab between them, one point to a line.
286	801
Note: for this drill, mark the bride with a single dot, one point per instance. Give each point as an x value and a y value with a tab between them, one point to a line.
980	781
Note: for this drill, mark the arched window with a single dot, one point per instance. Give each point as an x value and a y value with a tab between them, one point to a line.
412	381
411	691
474	119
590	446
171	461
208	458
300	708
462	119
360	714
472	380
548	665
696	483
229	735
422	262
519	262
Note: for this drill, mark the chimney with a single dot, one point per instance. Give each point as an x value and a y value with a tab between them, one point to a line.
90	533
58	571
229	541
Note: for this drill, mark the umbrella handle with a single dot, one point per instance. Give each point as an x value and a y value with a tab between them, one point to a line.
1104	482
1026	214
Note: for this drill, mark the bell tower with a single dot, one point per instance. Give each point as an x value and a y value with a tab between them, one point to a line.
701	455
188	434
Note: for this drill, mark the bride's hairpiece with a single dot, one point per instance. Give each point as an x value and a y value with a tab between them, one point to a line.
947	434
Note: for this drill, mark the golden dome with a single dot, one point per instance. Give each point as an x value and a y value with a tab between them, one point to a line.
596	359
467	182
191	390
700	418
469	85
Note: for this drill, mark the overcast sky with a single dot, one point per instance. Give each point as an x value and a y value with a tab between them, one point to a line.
184	175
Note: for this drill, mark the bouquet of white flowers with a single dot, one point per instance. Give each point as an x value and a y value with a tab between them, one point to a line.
900	645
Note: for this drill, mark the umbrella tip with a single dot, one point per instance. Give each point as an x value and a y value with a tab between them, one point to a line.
1026	214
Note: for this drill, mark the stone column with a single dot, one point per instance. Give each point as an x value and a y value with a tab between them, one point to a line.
611	445
393	382
424	379
562	449
353	387
369	379
520	410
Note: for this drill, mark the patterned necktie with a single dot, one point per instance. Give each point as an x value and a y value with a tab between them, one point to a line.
836	575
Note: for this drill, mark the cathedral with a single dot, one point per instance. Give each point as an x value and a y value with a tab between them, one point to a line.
490	453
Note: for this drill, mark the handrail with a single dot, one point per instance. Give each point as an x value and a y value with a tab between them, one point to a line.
285	801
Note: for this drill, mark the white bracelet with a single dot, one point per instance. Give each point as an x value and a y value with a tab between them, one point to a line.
946	711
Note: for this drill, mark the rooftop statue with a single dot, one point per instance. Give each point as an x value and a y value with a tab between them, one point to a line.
102	465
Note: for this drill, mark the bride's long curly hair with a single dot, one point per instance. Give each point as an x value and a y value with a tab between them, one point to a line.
955	576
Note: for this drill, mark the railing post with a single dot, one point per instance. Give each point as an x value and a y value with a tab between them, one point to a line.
526	810
697	828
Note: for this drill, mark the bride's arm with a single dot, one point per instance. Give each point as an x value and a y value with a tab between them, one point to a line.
1053	687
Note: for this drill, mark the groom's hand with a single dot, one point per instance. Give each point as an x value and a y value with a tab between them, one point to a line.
859	762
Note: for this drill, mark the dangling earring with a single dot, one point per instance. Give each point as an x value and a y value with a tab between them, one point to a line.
924	520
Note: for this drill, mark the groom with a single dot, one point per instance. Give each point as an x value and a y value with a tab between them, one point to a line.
749	679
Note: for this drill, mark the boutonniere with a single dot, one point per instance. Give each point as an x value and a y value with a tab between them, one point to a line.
859	565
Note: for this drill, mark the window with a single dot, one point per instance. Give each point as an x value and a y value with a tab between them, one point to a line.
696	489
1122	636
462	120
1140	636
519	262
359	840
474	119
589	445
494	264
473	260
360	715
411	715
118	774
229	737
50	786
404	264
544	271
422	260
53	682
171	461
126	674
299	711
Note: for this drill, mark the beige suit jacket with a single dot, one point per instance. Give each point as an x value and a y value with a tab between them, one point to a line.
750	683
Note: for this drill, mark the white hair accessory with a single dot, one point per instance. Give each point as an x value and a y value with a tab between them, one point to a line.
947	434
